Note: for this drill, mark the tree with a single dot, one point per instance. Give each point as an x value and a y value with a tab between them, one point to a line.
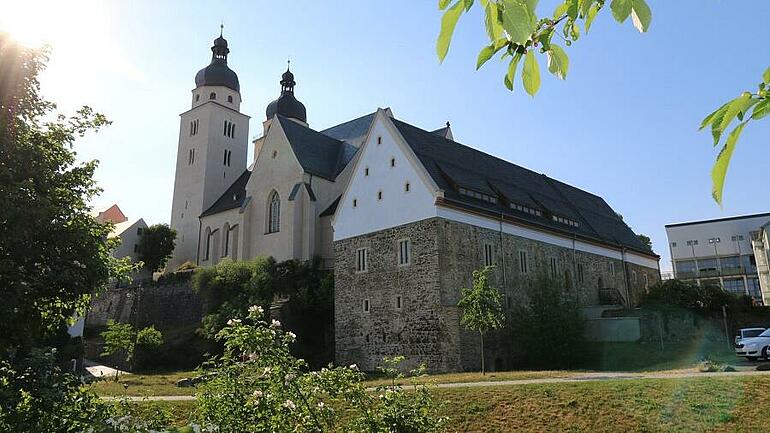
123	339
481	307
53	254
549	321
514	27
645	240
156	246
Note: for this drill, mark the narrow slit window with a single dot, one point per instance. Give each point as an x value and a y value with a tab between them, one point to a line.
362	260
523	266
404	252
489	255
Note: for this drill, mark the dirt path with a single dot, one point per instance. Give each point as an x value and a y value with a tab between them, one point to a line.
578	377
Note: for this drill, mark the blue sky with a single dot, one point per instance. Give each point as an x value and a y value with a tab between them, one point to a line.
623	125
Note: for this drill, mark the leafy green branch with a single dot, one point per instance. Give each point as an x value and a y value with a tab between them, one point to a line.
720	120
514	28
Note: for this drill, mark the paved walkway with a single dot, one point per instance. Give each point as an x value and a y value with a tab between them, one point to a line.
100	371
578	377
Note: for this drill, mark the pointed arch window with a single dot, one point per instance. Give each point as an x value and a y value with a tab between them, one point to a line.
273	213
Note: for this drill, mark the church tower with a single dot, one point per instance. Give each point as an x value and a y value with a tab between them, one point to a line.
212	150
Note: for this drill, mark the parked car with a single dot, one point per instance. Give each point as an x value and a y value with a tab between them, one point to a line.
754	347
748	333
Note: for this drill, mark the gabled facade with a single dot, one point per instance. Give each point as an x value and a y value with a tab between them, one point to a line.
422	212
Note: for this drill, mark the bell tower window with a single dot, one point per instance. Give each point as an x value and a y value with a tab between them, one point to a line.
230	98
213	95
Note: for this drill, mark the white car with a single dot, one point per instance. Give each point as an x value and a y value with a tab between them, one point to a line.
754	347
747	333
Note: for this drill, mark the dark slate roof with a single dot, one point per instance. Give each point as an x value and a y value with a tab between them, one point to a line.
296	188
318	153
329	211
232	198
453	165
350	129
288	106
441	131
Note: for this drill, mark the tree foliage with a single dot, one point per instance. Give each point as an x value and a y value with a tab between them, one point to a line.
53	254
705	299
517	32
229	288
548	323
515	29
122	339
482	308
258	386
645	240
156	246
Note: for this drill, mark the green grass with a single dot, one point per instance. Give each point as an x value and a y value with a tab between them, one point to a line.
701	404
601	357
142	385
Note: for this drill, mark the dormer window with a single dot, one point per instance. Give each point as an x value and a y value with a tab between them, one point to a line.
478	195
526	209
213	95
567	221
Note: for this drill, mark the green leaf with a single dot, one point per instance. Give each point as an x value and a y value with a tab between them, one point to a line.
710	118
572	9
722	120
560	10
531	5
558	62
766	76
511	75
468	4
531	74
448	23
517	21
761	110
585	6
719	171
591	15
492	21
486	53
641	15
621	9
442	4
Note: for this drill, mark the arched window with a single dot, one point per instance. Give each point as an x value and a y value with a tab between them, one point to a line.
273	213
213	95
208	243
229	98
226	235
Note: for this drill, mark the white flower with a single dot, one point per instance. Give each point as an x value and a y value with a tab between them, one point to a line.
255	310
289	378
276	323
288	404
353	367
321	404
292	335
257	394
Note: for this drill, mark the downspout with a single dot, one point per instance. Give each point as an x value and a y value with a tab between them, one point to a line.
625	275
502	251
574	270
198	251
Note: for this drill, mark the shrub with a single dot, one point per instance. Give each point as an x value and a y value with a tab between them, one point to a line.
547	330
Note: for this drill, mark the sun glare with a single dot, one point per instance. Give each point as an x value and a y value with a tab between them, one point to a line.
53	22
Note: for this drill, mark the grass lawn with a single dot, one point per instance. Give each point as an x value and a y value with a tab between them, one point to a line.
601	357
713	404
144	384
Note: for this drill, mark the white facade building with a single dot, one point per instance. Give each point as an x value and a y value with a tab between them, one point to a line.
719	252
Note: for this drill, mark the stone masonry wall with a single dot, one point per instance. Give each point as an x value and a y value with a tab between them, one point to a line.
444	255
164	306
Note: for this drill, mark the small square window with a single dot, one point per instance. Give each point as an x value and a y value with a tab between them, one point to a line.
673	244
366	308
139	231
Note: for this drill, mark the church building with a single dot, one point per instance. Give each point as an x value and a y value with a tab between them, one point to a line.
403	215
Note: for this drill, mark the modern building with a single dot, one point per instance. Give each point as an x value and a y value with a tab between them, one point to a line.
402	214
718	252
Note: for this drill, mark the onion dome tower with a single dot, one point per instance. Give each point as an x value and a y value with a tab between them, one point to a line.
217	73
287	105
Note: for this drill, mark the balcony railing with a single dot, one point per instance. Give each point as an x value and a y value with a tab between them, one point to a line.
711	273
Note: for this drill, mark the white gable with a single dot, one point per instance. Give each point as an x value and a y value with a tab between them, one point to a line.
396	205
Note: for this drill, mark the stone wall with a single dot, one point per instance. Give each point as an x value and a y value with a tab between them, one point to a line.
165	306
444	255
